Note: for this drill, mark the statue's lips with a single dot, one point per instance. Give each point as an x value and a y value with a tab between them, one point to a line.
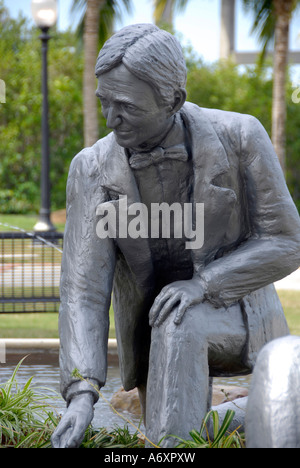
123	133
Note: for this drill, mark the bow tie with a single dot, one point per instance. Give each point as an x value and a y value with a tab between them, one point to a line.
158	155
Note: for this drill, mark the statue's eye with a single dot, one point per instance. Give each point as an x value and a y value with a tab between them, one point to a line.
129	107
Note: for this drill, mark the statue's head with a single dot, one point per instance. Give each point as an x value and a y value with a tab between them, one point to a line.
141	67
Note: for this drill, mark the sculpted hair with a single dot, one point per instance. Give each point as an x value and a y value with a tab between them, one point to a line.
151	54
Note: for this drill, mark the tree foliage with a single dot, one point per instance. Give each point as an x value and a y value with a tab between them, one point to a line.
224	85
272	23
161	7
20	116
264	20
109	12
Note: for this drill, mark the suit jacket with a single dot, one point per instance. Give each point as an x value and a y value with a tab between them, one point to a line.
251	239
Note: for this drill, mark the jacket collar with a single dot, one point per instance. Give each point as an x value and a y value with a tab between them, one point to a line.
209	155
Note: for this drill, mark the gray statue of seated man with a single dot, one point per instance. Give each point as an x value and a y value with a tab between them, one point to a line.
185	311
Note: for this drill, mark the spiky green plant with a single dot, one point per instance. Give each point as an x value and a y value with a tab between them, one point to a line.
222	437
23	411
25	422
119	438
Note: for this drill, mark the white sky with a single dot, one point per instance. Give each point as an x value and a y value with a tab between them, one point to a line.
199	25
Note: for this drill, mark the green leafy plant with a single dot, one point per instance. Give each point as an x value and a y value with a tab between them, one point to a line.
38	435
222	438
120	438
25	420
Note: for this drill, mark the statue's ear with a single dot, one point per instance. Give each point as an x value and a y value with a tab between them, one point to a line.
179	100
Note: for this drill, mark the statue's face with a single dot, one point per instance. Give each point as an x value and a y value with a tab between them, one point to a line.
130	108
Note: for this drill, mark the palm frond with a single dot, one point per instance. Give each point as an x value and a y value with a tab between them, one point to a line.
109	12
264	22
78	5
180	5
160	5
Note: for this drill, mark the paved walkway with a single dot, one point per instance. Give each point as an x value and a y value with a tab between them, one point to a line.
29	275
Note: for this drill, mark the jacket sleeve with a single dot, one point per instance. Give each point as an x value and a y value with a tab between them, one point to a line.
273	249
86	281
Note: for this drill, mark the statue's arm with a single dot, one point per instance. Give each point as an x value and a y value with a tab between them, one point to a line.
273	249
86	282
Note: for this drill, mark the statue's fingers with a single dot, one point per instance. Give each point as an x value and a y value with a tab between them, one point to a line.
55	440
158	304
167	309
183	306
61	435
74	440
66	437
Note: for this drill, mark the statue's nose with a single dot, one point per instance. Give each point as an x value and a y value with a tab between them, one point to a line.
113	118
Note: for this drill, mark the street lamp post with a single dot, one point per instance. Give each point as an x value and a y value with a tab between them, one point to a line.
44	13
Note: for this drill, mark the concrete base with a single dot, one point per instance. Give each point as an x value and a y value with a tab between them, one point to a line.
41	351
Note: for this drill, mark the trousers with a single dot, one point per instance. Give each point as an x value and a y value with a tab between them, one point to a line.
183	359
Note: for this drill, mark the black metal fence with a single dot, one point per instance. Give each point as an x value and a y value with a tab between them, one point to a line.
30	272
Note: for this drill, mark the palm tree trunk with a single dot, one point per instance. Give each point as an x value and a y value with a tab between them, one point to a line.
167	16
163	12
91	41
283	11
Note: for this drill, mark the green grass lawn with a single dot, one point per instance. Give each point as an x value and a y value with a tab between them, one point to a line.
46	325
29	325
290	301
26	222
36	325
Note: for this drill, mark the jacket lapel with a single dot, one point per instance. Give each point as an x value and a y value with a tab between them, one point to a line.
121	185
210	163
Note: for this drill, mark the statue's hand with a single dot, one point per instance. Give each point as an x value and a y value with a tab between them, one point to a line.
71	429
180	295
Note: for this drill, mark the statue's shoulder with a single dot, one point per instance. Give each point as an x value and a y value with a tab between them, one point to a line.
90	160
220	119
234	130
